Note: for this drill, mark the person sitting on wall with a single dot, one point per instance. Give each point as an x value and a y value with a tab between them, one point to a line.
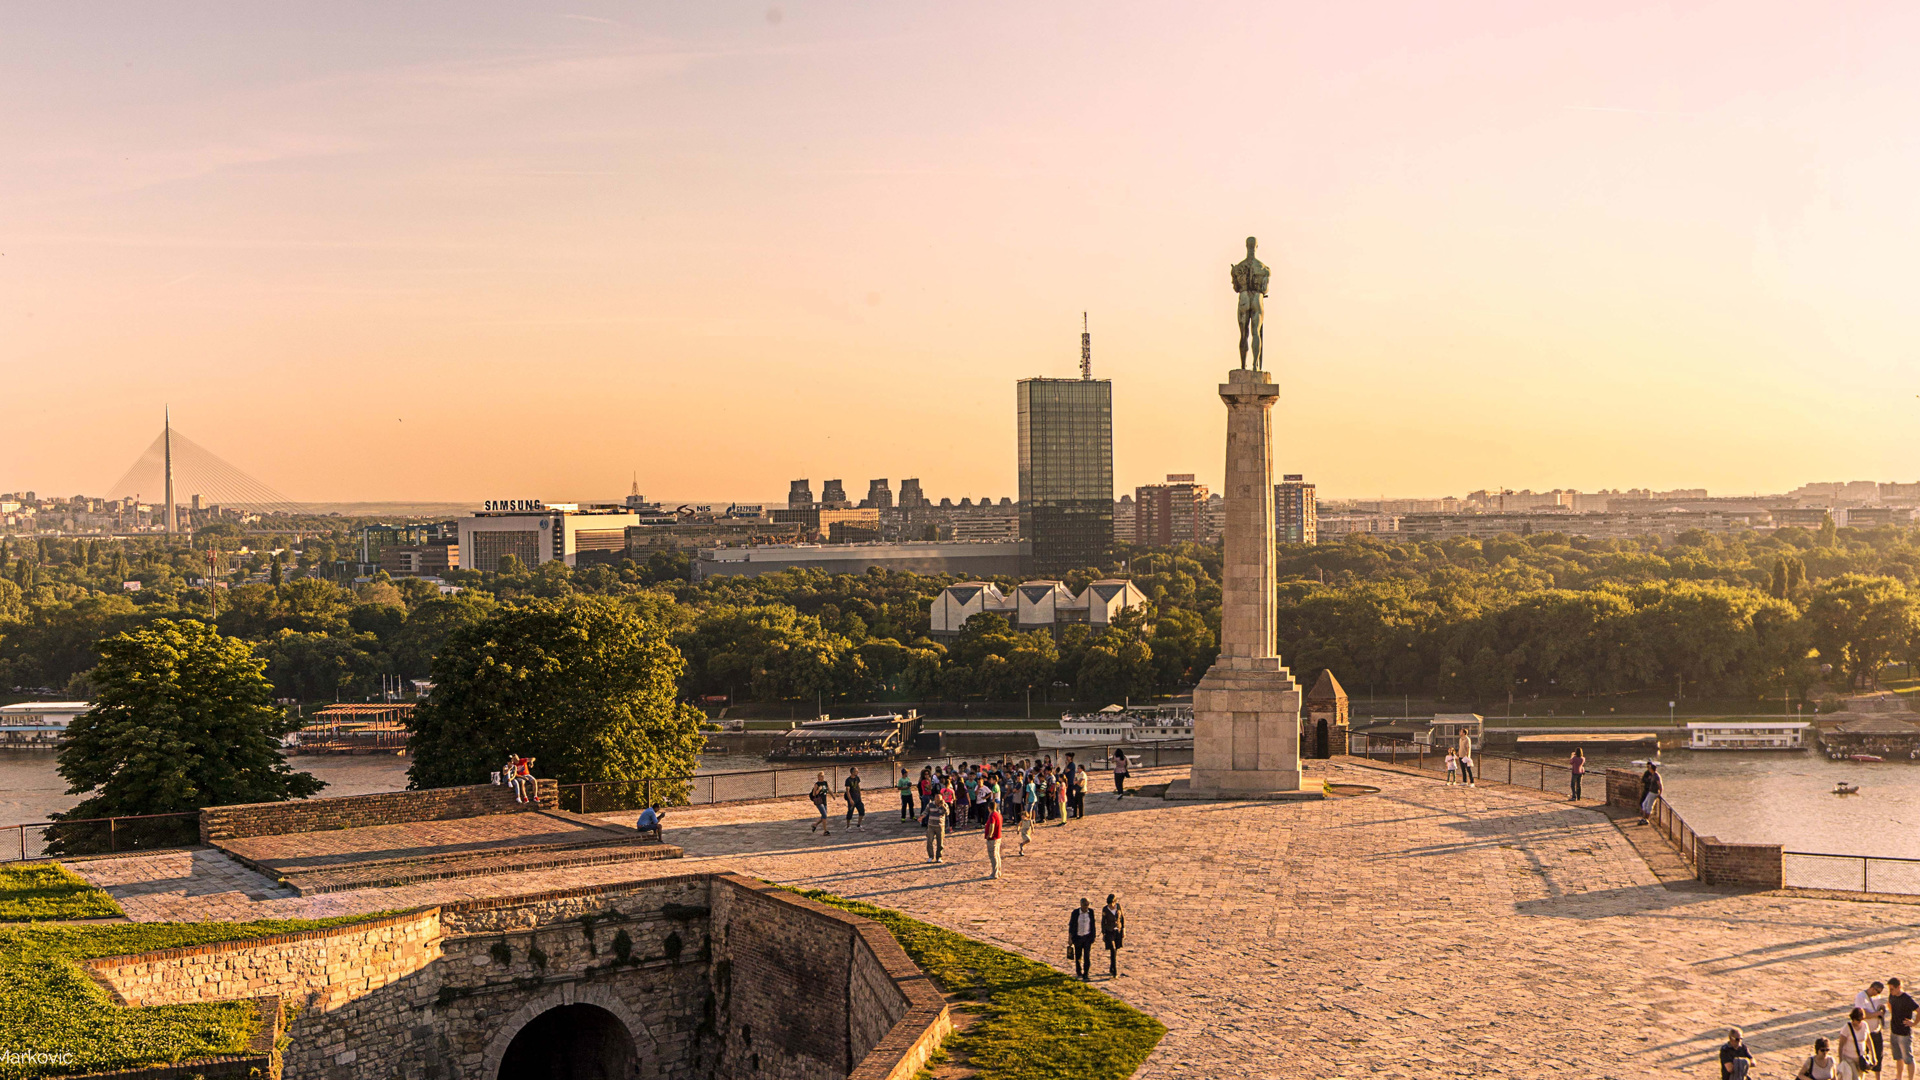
650	822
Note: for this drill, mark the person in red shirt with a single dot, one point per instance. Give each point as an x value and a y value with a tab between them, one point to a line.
993	837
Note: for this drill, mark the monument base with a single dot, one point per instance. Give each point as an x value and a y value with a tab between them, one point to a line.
1184	790
1246	734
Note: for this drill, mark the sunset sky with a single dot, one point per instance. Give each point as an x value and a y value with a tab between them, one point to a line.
466	251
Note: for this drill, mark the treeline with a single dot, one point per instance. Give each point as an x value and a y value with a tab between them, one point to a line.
1468	621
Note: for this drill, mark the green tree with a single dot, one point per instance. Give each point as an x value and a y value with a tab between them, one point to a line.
586	687
1858	622
182	718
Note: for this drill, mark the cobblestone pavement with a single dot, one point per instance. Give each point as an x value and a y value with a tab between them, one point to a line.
1424	931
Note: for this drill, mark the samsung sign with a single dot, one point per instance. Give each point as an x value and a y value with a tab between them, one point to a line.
515	506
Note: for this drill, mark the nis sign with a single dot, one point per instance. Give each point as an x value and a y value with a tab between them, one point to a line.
515	506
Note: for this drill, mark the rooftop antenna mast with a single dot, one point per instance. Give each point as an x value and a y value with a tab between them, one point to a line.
1086	349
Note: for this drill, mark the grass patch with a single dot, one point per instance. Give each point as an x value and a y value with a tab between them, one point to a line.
34	892
1035	1023
48	1006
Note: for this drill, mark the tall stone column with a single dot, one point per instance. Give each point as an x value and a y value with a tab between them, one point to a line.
1246	710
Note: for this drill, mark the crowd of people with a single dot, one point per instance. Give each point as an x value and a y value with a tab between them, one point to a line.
1878	1031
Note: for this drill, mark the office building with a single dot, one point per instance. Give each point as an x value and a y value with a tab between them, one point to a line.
1123	520
833	496
879	495
540	532
800	495
1065	435
1170	513
911	497
1296	517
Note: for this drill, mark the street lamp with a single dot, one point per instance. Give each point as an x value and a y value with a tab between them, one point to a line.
1669	713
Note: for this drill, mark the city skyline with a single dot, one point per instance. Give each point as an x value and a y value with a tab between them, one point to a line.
384	256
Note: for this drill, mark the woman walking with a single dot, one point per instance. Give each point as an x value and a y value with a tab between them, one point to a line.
1577	768
1121	769
1113	932
1821	1066
818	796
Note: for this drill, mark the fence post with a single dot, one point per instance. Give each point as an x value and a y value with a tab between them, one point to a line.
113	837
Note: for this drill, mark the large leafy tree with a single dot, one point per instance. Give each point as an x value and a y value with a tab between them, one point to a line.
183	717
586	686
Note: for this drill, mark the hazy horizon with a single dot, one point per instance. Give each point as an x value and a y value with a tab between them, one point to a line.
477	251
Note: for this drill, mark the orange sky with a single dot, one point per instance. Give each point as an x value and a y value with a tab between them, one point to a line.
461	251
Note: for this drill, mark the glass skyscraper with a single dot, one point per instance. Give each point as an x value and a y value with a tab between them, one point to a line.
1066	472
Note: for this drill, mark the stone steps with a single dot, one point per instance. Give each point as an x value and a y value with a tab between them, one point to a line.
477	864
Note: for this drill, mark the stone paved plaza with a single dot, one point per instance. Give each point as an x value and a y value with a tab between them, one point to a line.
1422	931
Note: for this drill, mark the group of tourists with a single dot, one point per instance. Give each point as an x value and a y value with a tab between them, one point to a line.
994	795
1879	1029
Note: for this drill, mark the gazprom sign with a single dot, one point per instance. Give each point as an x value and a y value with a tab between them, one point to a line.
515	506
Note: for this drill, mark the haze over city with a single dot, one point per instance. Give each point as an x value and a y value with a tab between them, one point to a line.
469	251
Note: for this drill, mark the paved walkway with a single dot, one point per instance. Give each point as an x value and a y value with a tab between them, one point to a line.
1424	931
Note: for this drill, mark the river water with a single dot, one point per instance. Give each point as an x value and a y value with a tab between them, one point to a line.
1783	797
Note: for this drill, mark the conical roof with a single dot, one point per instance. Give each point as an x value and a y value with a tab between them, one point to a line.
1328	688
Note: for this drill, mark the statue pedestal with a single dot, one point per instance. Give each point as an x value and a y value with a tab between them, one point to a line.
1246	736
1246	710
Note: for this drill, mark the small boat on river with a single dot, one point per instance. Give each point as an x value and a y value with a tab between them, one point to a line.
1844	788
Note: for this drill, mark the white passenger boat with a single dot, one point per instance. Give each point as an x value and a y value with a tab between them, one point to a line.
1115	724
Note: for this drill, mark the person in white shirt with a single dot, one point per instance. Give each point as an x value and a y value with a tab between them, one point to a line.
1856	1047
1869	1003
1453	766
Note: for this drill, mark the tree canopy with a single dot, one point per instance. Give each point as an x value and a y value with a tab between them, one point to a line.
183	717
586	686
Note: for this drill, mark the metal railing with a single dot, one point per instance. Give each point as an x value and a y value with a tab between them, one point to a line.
877	777
1499	768
1671	825
1877	873
98	836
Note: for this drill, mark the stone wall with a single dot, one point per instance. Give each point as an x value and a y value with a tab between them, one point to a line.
353	811
810	991
711	975
312	970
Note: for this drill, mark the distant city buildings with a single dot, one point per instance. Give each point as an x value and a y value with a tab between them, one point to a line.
1170	513
999	559
1295	512
1065	441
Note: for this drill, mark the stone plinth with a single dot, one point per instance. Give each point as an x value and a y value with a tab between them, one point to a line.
1246	711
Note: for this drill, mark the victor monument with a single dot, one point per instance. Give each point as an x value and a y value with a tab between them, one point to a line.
1246	710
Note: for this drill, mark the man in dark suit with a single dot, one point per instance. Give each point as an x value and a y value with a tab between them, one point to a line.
1081	926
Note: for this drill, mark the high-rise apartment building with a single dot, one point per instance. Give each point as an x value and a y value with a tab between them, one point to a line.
800	495
1170	513
879	495
911	496
1296	519
833	496
1066	472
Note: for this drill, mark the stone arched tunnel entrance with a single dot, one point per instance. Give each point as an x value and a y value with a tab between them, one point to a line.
571	1042
695	975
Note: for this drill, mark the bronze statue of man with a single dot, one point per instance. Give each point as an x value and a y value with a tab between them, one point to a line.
1250	281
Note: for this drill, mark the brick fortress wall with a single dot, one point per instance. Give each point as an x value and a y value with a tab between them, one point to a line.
354	811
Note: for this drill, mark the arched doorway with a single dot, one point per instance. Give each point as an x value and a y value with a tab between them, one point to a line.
571	1042
1320	749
